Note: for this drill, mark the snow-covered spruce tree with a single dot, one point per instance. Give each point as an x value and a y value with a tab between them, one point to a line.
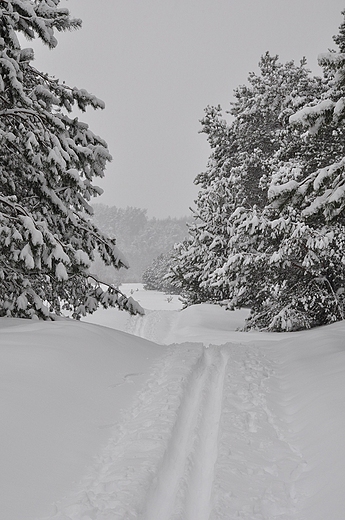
238	174
155	276
48	162
297	241
204	250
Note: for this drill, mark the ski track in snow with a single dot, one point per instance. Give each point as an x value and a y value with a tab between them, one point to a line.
185	475
201	442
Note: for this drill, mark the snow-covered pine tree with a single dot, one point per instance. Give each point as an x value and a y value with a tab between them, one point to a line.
322	193
235	182
205	249
297	241
48	162
303	223
155	276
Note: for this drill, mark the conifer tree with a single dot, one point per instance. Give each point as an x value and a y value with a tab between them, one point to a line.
205	250
155	276
48	162
305	214
284	255
238	174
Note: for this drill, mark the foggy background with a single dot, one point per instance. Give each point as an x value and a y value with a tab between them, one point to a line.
158	63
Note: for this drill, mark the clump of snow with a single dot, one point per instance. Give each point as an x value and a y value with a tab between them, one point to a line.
36	235
60	272
59	254
277	190
303	116
27	256
82	258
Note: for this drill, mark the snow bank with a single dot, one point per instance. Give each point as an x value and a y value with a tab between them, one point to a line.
209	324
311	390
63	387
165	322
205	323
150	301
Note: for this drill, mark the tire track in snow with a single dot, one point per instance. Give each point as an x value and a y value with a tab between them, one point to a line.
184	480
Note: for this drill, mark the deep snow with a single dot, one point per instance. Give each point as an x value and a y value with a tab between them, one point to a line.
99	424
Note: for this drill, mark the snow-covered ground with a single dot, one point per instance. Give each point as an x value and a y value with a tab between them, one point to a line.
196	422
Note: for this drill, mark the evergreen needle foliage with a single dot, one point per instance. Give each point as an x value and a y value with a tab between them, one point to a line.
155	276
48	163
269	220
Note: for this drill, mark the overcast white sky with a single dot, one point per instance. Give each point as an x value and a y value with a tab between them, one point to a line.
158	63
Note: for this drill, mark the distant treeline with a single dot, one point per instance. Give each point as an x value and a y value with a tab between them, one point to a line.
139	238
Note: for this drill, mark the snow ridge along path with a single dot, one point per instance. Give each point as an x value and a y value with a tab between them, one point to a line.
201	442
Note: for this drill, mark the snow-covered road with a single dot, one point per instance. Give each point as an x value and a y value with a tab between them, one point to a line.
199	443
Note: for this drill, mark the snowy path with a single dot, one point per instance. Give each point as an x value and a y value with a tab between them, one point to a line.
185	477
201	442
